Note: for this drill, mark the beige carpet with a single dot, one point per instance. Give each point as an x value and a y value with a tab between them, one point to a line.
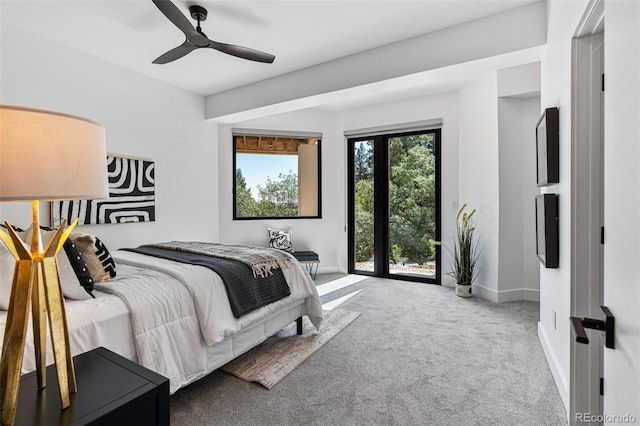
279	355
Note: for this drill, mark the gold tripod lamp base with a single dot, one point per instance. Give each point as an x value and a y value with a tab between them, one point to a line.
36	285
47	156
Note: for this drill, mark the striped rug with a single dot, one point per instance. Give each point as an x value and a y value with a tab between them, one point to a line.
279	355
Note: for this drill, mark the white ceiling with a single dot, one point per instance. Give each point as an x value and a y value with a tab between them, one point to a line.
132	33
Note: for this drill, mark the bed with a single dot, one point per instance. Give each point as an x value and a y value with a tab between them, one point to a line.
175	318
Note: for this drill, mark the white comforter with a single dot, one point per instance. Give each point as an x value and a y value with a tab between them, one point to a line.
175	307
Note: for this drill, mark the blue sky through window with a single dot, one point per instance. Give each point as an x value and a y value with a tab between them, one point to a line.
257	167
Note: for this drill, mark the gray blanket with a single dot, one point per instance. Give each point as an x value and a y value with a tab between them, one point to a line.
245	291
261	260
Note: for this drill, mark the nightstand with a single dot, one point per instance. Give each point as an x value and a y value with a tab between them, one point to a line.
111	391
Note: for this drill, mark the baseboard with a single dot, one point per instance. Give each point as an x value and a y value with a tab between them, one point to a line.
478	290
554	365
330	269
485	293
506	295
519	294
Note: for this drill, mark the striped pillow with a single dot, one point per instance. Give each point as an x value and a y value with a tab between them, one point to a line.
96	255
75	278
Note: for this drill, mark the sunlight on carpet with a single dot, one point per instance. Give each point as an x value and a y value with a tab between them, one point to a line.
339	283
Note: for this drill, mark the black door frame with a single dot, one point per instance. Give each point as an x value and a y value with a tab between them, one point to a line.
381	208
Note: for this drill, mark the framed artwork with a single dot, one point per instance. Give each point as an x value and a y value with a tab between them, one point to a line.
131	196
548	148
547	242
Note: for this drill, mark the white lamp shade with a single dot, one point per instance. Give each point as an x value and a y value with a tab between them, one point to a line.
46	155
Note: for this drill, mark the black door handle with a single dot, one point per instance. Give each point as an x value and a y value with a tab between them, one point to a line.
608	326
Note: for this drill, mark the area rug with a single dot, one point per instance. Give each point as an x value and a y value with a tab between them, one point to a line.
279	355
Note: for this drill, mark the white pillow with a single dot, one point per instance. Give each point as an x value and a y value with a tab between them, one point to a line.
7	265
280	239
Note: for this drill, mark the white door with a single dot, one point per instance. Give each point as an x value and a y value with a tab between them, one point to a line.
622	210
587	207
619	287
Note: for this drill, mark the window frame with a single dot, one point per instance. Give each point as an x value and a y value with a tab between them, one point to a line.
381	198
283	134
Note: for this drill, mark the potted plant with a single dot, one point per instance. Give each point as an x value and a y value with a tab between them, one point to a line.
465	253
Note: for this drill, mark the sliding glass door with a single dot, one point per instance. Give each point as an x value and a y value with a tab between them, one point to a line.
362	194
394	207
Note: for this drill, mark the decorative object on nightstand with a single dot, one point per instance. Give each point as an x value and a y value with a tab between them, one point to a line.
44	156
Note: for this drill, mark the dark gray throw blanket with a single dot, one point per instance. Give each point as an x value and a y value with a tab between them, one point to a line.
245	291
260	259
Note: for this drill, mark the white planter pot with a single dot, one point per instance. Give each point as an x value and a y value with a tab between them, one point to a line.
463	290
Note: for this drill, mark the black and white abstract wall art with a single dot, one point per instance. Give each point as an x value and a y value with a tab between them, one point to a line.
131	196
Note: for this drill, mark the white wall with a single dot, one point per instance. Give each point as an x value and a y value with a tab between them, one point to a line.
142	117
478	181
622	205
622	198
445	106
319	235
519	81
555	290
518	269
328	236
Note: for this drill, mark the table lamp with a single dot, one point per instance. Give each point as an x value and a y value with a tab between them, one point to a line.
44	156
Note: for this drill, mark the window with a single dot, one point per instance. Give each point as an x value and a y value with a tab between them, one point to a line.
276	176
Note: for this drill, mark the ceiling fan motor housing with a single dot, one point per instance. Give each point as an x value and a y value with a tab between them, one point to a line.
198	13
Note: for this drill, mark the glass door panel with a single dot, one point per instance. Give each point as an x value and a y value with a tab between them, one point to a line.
394	213
363	206
412	205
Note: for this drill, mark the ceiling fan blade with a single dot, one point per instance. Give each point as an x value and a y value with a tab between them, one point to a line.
172	13
242	52
176	53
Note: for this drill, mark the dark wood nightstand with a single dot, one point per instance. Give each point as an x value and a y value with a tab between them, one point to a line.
111	391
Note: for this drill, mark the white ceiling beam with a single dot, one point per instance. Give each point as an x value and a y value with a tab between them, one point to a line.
515	30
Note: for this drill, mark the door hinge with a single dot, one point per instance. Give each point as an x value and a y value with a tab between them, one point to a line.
602	235
601	386
603	82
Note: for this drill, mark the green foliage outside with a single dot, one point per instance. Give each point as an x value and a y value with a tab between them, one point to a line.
277	198
411	199
364	220
246	206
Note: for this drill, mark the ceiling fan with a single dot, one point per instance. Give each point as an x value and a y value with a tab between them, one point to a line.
196	39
